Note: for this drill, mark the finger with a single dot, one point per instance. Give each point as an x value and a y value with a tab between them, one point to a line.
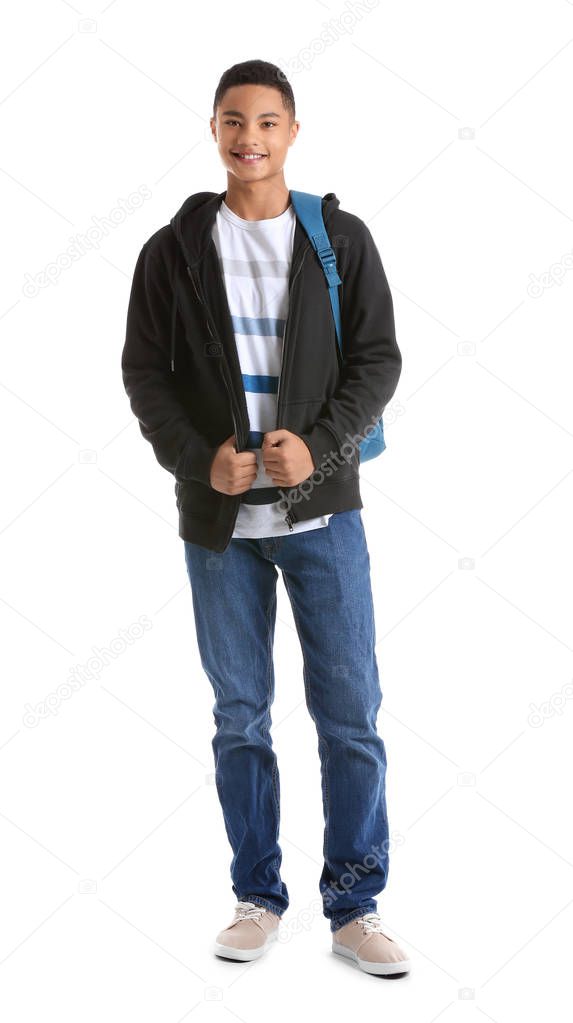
246	458
274	437
246	474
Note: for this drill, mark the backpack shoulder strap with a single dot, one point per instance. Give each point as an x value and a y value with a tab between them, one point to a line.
308	209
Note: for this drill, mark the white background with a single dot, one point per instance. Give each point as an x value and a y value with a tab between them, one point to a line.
115	863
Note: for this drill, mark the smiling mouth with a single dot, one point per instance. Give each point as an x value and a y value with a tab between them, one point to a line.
249	157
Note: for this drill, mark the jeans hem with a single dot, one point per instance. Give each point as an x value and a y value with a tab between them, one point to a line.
258	899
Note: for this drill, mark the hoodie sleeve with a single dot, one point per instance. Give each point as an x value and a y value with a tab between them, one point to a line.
372	359
145	365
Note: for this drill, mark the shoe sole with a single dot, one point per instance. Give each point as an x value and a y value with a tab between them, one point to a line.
244	955
381	969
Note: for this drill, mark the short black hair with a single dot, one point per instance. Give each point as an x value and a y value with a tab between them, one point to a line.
256	72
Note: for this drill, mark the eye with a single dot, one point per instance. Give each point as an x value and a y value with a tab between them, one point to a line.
233	121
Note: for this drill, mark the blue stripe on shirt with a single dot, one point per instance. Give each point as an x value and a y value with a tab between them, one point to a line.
258	325
260	384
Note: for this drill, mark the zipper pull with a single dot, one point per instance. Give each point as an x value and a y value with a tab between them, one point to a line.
289	521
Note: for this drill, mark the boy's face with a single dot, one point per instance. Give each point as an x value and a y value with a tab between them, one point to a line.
252	119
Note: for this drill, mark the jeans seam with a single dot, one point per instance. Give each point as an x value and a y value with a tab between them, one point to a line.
274	771
326	758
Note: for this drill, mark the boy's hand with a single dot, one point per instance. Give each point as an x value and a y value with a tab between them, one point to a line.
286	458
233	472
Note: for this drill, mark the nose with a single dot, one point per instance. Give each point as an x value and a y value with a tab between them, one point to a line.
246	141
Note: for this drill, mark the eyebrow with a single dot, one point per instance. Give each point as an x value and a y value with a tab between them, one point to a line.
237	113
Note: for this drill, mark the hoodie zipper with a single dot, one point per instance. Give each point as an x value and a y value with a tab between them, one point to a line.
290	517
228	384
283	353
223	364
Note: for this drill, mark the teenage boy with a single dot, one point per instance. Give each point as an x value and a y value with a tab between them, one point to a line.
232	368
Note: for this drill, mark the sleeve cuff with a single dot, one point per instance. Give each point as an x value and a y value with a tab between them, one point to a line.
195	461
321	443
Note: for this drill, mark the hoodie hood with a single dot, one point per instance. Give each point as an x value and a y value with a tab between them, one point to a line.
193	222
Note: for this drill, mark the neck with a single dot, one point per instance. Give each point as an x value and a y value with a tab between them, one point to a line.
261	200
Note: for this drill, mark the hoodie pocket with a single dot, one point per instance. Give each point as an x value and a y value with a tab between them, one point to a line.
198	501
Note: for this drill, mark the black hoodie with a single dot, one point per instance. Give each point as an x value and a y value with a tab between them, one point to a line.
182	373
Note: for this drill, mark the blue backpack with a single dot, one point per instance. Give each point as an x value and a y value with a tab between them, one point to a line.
308	209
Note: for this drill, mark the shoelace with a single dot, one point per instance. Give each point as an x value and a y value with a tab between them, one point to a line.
372	924
249	911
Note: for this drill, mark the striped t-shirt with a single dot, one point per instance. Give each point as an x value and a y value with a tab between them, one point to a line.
255	258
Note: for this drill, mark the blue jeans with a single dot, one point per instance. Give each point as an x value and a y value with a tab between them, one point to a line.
326	572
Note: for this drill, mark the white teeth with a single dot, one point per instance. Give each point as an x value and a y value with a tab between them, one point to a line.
245	156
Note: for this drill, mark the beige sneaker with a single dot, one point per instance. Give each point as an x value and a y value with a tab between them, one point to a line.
363	940
250	933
